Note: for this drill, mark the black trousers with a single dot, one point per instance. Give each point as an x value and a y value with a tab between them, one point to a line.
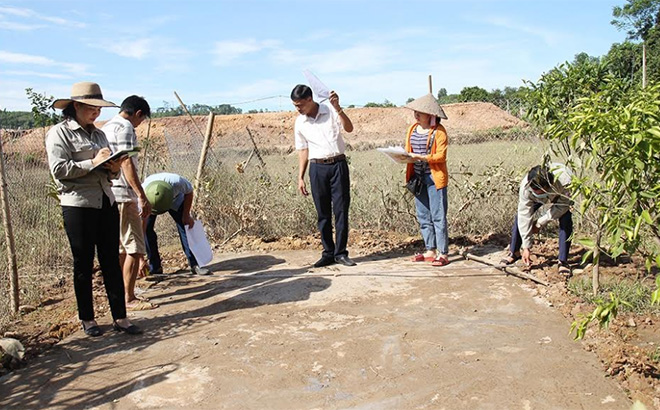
90	229
331	193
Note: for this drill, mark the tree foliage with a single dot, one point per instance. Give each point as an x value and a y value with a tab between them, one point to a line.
42	111
195	109
609	133
384	104
16	120
637	17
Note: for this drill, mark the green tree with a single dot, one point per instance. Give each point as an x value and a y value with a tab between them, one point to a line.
641	20
637	17
16	119
42	111
609	133
384	104
625	60
473	94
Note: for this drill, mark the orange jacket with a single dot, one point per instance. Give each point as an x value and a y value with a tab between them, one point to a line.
437	158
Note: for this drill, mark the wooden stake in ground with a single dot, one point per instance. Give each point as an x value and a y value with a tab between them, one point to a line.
145	151
189	115
510	270
9	233
256	149
202	157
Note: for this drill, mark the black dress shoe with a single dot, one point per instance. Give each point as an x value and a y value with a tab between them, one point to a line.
345	260
93	331
131	330
324	261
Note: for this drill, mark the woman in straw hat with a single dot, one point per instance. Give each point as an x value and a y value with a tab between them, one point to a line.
426	141
77	153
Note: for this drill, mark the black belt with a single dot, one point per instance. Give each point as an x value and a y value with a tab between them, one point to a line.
330	160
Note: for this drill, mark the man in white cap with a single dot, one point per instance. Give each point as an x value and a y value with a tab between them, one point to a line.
319	142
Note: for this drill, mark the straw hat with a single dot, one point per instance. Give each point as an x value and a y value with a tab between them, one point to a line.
86	93
428	105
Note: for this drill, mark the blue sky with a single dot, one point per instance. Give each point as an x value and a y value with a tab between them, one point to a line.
216	51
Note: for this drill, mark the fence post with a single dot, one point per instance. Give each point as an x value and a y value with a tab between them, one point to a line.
145	151
202	157
9	234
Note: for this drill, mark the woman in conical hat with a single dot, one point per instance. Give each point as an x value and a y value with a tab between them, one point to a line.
77	153
426	141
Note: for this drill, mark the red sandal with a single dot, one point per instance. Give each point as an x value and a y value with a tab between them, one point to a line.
440	261
418	257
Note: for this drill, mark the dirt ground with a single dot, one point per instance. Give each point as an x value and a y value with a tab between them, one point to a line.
275	129
268	331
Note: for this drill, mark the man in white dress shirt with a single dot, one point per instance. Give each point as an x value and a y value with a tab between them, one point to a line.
319	142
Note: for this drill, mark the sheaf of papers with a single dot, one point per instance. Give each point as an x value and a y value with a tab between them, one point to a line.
397	154
321	90
198	243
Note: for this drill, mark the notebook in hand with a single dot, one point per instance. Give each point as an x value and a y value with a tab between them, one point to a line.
118	155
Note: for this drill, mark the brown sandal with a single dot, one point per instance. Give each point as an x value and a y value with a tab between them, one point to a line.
564	269
509	259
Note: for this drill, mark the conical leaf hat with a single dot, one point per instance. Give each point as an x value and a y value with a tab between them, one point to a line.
428	105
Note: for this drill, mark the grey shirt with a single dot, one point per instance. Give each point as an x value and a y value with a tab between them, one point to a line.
557	199
70	150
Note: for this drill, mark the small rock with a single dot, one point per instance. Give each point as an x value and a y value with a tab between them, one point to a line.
12	347
631	323
14	335
26	309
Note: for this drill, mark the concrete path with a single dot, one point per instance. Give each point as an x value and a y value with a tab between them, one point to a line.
267	332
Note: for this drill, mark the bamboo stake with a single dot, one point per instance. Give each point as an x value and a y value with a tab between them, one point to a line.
256	149
202	157
189	115
145	151
510	270
9	234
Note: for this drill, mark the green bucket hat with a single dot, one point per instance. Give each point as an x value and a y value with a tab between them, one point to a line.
160	196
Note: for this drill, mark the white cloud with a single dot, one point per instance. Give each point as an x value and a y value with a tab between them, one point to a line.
13	26
36	74
355	58
27	59
15	11
31	14
227	52
132	48
550	37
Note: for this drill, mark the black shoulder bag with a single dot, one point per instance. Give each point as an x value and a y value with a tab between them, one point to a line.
415	184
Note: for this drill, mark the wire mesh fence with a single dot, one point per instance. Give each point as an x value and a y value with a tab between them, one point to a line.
249	184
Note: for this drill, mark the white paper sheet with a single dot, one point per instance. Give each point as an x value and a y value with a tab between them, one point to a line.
318	88
397	154
198	243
